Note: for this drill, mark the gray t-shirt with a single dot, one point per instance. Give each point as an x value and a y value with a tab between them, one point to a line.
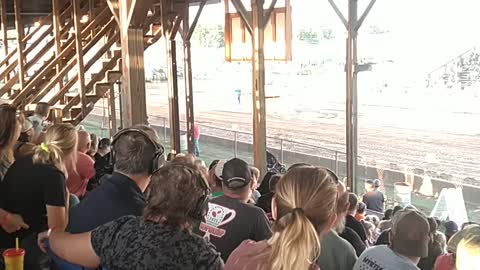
383	258
336	253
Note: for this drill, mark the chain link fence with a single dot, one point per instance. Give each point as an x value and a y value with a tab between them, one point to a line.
220	143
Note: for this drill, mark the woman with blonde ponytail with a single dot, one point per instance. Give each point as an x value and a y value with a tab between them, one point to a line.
34	187
304	210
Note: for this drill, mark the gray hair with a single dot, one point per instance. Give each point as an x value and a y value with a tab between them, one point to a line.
134	152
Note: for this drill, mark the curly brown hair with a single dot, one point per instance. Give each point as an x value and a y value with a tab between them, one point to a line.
175	192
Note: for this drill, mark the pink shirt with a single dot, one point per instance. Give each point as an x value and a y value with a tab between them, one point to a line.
243	257
196	131
444	262
77	181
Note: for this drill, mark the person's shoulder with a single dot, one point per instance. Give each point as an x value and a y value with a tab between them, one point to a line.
33	118
247	248
129	223
207	257
85	158
40	168
342	243
200	243
246	209
351	235
380	249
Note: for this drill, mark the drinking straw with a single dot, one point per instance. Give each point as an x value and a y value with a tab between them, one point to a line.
16	243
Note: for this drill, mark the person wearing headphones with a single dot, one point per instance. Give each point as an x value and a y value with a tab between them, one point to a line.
160	239
374	198
136	154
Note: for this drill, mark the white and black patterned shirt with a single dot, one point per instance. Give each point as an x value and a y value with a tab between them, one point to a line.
133	243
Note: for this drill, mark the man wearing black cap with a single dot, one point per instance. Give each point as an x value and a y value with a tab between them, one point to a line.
230	220
374	198
408	243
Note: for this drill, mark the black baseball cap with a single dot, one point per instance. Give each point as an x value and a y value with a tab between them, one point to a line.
236	174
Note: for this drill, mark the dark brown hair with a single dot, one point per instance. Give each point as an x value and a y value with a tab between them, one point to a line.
42	109
8	131
175	191
353	199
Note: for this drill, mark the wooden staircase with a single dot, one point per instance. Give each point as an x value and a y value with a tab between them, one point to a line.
53	76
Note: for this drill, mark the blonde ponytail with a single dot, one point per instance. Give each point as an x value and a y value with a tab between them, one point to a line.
295	243
60	142
306	199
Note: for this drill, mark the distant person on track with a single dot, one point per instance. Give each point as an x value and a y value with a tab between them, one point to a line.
374	199
238	94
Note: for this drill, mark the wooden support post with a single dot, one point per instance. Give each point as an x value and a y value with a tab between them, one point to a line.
169	27
3	25
57	37
258	89
351	94
79	53
134	76
112	112
91	14
173	96
121	104
20	31
130	15
187	54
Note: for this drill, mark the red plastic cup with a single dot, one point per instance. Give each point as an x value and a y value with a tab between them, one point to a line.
14	258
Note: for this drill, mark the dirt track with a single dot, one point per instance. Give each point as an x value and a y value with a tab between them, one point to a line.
388	147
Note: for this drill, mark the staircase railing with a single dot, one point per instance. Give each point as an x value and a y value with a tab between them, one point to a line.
41	23
25	96
110	25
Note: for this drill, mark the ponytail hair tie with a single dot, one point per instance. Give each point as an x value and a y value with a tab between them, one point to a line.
298	210
44	147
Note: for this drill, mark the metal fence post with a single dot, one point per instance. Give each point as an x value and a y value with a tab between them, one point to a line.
165	129
281	151
336	162
235	147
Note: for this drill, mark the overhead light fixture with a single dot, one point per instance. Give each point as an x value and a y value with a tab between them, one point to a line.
150	12
84	19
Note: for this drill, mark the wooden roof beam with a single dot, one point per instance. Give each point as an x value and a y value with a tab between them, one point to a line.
115	9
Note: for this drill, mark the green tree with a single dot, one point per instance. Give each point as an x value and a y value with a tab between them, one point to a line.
209	36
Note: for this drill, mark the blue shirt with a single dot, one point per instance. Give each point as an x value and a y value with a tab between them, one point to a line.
118	196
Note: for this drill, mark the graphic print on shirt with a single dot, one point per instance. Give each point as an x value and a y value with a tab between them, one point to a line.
370	263
217	216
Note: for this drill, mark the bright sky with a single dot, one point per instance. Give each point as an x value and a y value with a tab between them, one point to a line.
432	31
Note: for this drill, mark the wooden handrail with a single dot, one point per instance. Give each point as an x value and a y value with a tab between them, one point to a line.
103	72
89	64
9	55
42	22
41	74
28	88
25	99
12	65
38	40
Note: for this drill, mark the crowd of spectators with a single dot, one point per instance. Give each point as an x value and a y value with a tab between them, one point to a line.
74	199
